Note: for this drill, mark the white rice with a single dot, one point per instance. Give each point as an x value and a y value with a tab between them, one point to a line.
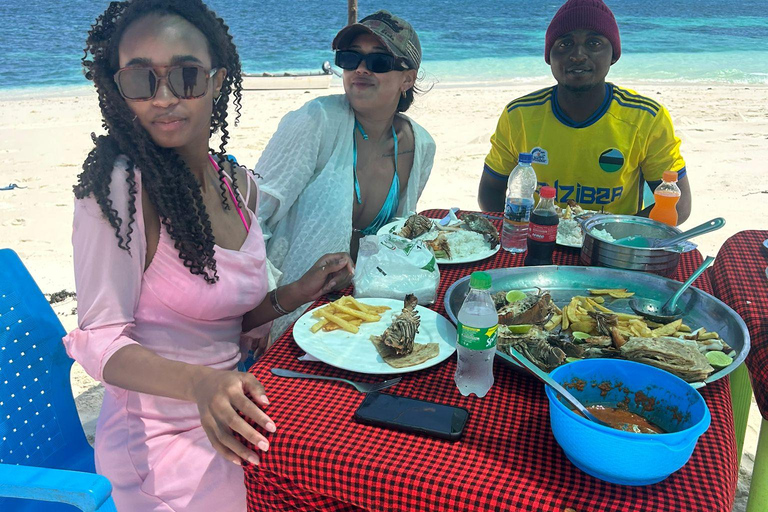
465	243
603	235
569	232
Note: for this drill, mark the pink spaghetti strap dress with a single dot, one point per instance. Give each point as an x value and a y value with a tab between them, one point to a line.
153	449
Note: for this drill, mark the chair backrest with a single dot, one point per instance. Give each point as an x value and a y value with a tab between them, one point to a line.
39	425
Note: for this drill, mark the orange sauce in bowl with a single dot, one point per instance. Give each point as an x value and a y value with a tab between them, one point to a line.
622	419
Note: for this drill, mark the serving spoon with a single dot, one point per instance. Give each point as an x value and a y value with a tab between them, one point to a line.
559	389
642	242
668	312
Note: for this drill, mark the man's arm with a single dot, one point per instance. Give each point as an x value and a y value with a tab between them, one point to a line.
491	194
683	205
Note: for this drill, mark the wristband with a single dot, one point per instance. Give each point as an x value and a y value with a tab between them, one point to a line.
276	305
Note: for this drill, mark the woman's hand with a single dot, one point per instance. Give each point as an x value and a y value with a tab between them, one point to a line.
219	395
329	273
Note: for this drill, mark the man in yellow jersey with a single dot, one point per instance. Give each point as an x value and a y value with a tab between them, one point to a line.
594	142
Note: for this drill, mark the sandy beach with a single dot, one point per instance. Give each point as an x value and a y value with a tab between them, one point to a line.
44	139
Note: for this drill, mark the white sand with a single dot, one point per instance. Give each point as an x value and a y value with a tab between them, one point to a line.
44	140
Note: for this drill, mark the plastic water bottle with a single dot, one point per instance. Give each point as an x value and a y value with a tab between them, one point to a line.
517	209
476	345
666	195
542	231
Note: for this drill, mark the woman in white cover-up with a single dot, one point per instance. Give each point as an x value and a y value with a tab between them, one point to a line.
330	174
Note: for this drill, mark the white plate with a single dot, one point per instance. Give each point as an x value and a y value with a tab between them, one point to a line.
575	246
395	226
356	353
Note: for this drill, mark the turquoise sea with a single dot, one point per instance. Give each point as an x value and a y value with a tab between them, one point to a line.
463	40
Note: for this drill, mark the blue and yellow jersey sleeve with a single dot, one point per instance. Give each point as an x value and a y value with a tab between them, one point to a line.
503	155
662	151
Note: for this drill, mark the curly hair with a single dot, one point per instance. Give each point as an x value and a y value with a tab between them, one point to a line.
170	185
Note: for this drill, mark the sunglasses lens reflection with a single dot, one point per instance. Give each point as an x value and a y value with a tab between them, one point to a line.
186	82
137	83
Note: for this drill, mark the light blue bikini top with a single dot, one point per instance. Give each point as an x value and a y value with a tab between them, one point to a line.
389	208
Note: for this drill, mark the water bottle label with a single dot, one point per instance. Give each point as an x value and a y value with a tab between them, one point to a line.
477	339
541	233
516	212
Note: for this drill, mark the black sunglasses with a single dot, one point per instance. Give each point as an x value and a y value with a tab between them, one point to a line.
185	82
374	62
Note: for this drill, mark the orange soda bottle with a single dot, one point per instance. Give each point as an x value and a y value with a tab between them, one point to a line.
666	195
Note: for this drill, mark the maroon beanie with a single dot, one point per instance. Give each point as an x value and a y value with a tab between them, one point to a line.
584	14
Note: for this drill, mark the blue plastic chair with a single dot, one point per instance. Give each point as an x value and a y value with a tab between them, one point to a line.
46	463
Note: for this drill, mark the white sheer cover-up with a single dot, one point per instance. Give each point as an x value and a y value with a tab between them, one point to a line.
307	185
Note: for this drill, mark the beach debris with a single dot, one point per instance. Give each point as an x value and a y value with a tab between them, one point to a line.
11	186
60	296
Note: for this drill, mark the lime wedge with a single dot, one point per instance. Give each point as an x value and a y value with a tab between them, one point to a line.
572	359
718	359
578	335
514	296
519	329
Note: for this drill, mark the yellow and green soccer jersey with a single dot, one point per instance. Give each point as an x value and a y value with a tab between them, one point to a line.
599	163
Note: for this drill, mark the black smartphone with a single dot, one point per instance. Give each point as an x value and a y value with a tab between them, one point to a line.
411	415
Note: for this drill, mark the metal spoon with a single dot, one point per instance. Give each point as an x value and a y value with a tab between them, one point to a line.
668	312
549	381
643	242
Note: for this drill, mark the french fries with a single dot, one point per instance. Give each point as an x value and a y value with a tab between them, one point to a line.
667	330
575	316
319	325
345	313
616	293
344	324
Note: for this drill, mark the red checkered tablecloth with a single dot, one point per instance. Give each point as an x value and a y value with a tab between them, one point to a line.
321	459
738	278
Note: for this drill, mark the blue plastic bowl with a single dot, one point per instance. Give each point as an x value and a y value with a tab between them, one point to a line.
619	457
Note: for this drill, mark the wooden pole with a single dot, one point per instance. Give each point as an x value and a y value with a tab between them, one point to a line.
351	12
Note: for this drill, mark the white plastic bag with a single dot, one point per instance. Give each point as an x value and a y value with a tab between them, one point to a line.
391	267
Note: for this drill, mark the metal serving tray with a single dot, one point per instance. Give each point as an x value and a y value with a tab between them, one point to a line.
700	309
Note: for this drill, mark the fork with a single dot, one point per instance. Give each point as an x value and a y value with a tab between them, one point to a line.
363	387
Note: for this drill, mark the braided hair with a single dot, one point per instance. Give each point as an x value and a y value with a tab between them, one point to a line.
170	185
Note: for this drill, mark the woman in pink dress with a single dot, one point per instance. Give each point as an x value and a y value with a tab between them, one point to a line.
170	263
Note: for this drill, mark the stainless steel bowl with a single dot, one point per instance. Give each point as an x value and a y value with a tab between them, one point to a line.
598	252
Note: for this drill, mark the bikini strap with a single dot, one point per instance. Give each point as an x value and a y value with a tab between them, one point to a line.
248	190
231	193
359	127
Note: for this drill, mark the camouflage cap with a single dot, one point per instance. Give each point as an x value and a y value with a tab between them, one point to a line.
396	34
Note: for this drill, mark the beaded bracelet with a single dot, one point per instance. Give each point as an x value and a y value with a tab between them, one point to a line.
276	305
